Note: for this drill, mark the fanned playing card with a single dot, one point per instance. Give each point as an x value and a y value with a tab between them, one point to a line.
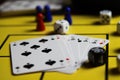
98	42
67	47
38	54
83	43
95	42
73	43
62	53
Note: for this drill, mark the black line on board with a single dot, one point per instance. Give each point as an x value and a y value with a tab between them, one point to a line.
23	25
42	76
112	56
4	56
92	34
26	34
4	42
107	51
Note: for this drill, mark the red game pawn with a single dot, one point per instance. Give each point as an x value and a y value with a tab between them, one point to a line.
40	22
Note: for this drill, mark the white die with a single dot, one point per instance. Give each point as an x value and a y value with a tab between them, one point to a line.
61	26
105	16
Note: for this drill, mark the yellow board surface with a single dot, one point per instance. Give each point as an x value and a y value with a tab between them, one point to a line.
23	27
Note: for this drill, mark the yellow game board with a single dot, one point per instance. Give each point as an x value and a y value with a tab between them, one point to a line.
23	27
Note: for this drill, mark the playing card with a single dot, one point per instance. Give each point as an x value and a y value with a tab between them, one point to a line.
99	42
62	53
94	42
73	42
83	43
38	54
66	47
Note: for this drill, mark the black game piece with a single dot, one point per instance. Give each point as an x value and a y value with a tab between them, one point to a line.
68	15
47	14
97	56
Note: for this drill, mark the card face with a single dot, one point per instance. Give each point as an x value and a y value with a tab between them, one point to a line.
95	42
37	55
73	41
83	43
66	47
86	43
62	53
99	42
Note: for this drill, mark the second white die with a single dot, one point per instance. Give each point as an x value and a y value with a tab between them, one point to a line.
61	26
105	16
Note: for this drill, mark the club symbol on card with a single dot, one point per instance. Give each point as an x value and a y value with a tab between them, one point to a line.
14	44
17	68
34	46
46	50
86	40
94	42
24	43
79	40
26	53
52	39
50	62
61	61
28	66
43	40
76	64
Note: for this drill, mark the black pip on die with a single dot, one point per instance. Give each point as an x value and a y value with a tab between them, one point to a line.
61	26
105	16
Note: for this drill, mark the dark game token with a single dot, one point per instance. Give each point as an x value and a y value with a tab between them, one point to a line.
38	11
96	56
47	14
68	15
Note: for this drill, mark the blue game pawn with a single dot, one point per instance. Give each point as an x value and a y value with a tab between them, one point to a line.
68	15
47	14
38	11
